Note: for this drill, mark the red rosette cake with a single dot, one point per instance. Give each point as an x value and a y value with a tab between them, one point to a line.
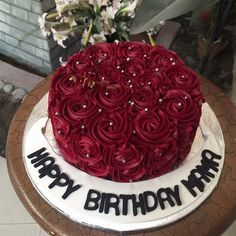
125	112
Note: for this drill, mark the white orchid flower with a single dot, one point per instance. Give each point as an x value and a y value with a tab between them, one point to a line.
95	38
111	12
130	7
62	62
116	4
59	37
98	3
60	4
70	20
44	26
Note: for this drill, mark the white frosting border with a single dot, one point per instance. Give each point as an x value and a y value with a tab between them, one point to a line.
73	205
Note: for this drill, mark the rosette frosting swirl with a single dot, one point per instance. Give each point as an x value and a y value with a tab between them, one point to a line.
125	111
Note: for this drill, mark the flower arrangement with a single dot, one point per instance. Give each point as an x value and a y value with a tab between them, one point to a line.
94	20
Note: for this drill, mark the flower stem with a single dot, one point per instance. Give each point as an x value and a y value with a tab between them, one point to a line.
151	39
88	34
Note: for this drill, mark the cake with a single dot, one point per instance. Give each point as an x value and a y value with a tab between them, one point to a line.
114	154
124	111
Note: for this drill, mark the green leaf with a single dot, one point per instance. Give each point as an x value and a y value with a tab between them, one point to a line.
51	17
78	29
96	24
82	12
151	12
60	27
124	35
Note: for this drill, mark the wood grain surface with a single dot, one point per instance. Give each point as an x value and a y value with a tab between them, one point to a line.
211	218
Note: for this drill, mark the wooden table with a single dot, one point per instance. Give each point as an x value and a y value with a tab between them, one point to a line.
211	218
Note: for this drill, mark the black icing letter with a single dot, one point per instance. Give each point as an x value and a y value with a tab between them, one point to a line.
213	157
46	163
39	154
70	189
62	180
125	198
138	204
52	172
112	201
175	194
92	200
147	195
163	195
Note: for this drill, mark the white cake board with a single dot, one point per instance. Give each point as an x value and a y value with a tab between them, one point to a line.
209	136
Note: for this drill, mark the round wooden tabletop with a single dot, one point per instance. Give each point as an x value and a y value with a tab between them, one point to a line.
211	218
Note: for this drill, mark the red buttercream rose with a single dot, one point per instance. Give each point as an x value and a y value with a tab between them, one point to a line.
100	53
78	64
180	107
163	155
74	109
112	96
152	127
145	97
152	79
184	78
66	84
61	128
109	129
100	168
126	157
132	50
133	67
86	149
161	58
107	74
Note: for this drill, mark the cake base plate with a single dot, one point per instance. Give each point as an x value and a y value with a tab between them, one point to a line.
151	203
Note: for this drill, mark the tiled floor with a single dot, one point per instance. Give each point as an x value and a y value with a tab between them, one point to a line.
14	218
